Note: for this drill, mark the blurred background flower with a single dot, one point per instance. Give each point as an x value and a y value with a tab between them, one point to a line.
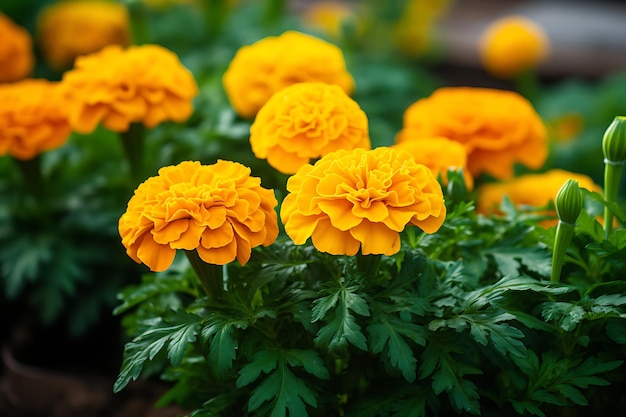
71	28
16	55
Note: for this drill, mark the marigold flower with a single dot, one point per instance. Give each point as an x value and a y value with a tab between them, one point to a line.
32	118
497	127
439	154
534	190
218	210
511	45
361	199
329	17
259	70
16	55
142	84
305	121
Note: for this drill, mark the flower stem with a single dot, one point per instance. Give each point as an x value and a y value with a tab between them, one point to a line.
564	235
612	173
211	276
528	84
274	10
368	264
31	174
215	12
133	143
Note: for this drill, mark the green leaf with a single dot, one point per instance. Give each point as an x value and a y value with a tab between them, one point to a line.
263	362
218	332
567	315
486	326
174	332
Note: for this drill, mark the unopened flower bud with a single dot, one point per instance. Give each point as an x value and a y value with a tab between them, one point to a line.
569	202
614	141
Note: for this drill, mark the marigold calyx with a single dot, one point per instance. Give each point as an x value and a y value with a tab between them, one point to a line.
569	202
614	141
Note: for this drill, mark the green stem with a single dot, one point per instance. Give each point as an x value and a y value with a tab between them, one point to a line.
211	276
33	179
564	235
215	12
368	265
274	10
139	23
133	143
528	85
612	174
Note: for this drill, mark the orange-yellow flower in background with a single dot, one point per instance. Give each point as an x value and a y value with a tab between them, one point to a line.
534	190
329	17
512	45
116	87
69	29
414	31
259	70
305	121
439	154
218	210
498	128
16	55
361	199
33	118
566	127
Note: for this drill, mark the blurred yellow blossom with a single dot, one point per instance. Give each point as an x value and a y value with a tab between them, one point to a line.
512	45
305	121
566	127
361	199
498	128
534	190
33	118
259	70
16	55
439	154
218	210
414	31
141	84
329	17
72	28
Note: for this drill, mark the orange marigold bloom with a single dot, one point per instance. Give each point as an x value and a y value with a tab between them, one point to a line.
259	70
69	29
218	210
16	55
305	121
361	199
534	190
511	45
439	154
32	118
498	128
117	87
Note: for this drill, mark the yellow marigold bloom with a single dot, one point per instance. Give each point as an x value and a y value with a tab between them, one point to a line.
511	45
439	154
116	87
259	70
305	121
361	199
218	210
414	30
33	118
533	190
69	29
329	17
16	55
498	128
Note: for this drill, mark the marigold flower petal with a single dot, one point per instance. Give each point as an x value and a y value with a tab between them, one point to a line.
218	210
361	199
17	59
305	121
116	87
497	128
259	70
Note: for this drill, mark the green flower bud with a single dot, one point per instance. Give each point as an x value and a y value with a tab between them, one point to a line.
569	202
614	141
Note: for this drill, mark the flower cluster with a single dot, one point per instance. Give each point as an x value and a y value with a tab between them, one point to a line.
218	210
32	118
259	70
116	87
439	154
512	45
70	29
305	121
498	128
360	199
16	55
531	190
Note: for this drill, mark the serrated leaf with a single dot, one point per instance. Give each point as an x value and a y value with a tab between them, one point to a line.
218	333
567	315
263	362
309	359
